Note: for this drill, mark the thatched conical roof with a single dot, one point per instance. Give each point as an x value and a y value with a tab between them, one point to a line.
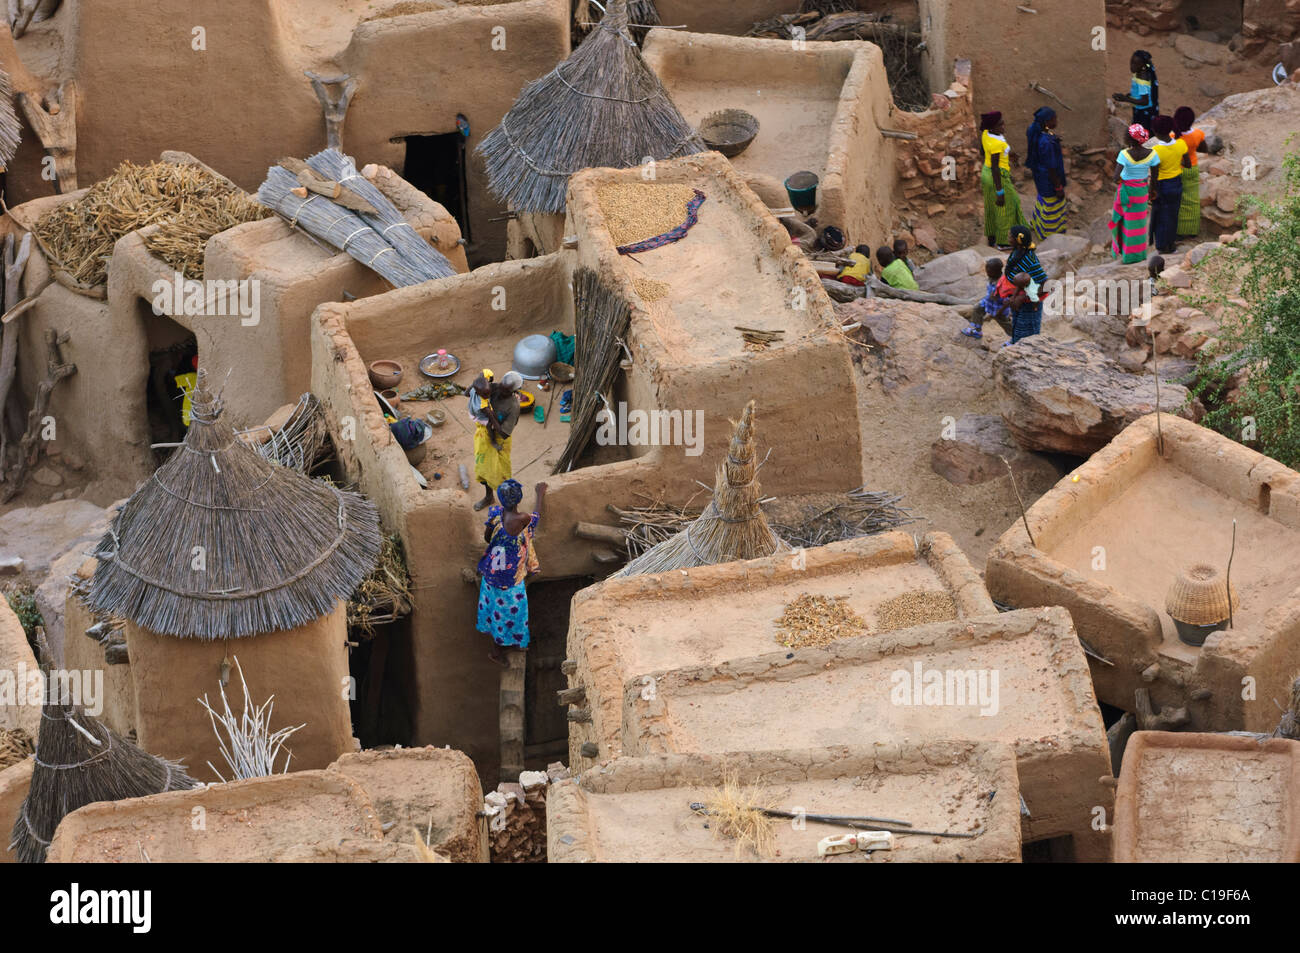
732	526
79	761
222	544
11	129
603	106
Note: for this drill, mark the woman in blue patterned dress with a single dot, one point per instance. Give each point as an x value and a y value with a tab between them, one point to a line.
509	560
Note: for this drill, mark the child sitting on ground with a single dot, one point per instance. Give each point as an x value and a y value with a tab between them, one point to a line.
900	252
893	271
856	273
993	305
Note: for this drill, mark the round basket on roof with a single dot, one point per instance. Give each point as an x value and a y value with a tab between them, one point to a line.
222	544
1197	601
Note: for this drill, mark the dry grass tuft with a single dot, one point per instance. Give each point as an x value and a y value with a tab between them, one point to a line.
735	812
189	203
817	621
917	607
15	746
635	211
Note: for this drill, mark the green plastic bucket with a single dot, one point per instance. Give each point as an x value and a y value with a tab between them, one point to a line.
802	189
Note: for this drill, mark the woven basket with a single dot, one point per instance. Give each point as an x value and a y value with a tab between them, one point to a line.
1199	596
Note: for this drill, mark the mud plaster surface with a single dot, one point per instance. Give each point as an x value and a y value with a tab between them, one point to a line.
720	275
795	119
1212	806
659	826
734	624
1166	521
852	704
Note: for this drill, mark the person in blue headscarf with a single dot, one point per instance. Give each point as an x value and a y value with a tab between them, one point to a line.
1045	160
509	560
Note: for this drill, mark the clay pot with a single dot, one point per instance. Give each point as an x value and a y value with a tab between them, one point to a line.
385	374
390	395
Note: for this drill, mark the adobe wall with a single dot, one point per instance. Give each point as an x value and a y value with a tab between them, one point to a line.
1008	51
250	821
17	661
609	618
15	781
82	653
306	669
852	193
1209	682
434	791
734	17
1047	710
194	100
1188	797
636	809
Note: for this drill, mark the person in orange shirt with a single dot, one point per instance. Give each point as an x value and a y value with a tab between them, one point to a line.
1189	212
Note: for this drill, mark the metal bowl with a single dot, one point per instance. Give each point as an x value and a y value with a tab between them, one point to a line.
429	366
533	356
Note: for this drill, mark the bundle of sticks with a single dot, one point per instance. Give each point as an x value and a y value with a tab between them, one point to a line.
653	523
863	512
759	339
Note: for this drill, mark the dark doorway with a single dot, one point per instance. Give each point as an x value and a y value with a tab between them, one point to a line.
546	722
436	166
173	351
384	684
1049	850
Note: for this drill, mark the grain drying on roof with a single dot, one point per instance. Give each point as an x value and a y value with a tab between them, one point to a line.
817	621
651	290
189	203
635	211
916	607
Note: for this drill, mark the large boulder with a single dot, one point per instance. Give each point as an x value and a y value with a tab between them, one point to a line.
960	274
52	541
1070	398
979	443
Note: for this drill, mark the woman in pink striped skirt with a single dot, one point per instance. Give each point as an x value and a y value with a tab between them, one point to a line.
1130	219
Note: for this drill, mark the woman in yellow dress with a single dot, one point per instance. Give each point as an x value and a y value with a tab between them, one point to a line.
1001	200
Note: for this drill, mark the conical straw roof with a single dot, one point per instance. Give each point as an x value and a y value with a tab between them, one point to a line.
79	761
603	106
732	526
222	544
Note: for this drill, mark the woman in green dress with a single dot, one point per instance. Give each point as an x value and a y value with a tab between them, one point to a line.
1001	200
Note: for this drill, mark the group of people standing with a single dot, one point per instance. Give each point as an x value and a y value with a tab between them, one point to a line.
1044	160
1157	198
1158	181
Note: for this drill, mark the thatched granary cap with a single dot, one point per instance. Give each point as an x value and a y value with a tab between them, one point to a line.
603	106
79	761
222	544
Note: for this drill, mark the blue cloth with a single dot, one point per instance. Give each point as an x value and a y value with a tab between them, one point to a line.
503	614
1043	157
509	493
1027	322
506	561
992	304
1164	221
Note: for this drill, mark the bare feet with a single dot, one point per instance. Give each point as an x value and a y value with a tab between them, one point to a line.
482	503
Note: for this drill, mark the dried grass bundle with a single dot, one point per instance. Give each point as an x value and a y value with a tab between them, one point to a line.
222	544
816	621
384	595
186	201
603	106
11	128
384	242
602	319
15	746
79	761
736	812
863	512
732	526
300	443
653	523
